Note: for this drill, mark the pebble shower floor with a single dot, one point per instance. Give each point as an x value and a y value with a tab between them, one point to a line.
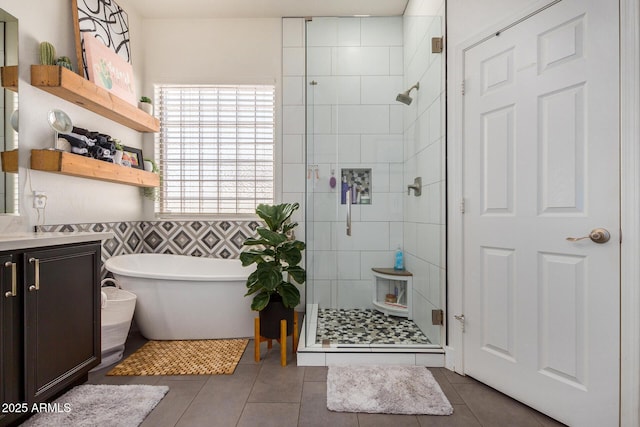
365	326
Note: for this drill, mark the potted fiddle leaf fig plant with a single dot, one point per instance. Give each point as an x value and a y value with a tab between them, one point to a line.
277	255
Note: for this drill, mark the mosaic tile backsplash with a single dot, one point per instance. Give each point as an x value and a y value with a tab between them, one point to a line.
215	239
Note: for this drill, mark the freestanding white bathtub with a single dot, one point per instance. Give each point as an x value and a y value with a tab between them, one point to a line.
184	297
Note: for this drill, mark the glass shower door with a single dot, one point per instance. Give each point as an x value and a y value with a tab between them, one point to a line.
355	184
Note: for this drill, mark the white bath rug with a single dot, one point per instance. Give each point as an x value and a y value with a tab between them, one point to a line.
383	389
100	405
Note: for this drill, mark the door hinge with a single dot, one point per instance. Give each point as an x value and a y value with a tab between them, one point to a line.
462	205
437	317
436	45
460	318
462	88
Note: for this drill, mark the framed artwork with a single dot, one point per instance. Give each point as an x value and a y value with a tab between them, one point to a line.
108	70
133	156
104	20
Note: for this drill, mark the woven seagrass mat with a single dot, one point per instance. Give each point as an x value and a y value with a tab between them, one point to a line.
187	357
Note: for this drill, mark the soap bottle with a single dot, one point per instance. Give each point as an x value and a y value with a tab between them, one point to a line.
399	264
345	188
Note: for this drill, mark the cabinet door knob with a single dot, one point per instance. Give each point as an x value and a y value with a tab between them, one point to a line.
14	282
36	263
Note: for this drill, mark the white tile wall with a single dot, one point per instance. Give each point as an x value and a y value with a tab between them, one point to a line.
293	178
292	148
293	61
294	123
361	61
292	33
348	32
381	149
292	90
355	294
348	265
349	149
323	32
319	61
382	31
396	61
322	293
380	89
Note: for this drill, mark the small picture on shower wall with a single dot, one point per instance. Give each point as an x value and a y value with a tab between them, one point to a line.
356	183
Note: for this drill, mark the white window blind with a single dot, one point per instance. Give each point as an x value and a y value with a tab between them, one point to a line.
215	148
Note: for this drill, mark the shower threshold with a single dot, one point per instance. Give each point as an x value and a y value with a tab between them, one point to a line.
412	351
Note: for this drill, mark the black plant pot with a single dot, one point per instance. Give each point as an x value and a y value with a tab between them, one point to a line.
271	315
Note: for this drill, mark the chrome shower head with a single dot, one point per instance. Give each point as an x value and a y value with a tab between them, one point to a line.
404	96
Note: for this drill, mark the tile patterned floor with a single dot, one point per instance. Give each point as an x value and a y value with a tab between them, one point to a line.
364	326
266	394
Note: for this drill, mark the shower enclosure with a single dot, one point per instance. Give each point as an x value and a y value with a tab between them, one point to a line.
375	183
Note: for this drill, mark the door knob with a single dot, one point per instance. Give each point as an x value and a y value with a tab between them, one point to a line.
597	235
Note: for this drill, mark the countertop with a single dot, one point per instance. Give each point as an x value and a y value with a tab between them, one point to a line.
11	241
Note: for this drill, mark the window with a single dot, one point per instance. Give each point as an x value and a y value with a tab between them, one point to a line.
215	148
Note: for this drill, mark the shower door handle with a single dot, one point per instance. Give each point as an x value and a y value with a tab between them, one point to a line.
348	196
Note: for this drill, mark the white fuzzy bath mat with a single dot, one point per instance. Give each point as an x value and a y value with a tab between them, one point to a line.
383	389
101	405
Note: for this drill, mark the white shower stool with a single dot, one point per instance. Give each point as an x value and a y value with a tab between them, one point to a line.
401	278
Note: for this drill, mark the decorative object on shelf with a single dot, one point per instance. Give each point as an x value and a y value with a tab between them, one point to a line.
104	20
64	61
151	193
133	156
275	253
145	105
91	143
151	166
108	70
60	122
47	54
117	156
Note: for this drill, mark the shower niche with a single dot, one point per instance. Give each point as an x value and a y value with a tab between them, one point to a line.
357	184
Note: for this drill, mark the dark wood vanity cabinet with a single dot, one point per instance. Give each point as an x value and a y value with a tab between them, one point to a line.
10	338
55	337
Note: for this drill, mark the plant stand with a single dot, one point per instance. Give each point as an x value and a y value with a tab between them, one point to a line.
282	340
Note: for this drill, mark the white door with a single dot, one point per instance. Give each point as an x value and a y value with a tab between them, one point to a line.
541	163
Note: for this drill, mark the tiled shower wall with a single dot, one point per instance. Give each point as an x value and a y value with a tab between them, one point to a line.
216	239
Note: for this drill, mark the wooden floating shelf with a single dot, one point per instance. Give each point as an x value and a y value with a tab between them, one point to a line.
70	86
9	161
9	75
86	167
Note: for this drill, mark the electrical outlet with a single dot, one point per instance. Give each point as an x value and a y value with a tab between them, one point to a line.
39	200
